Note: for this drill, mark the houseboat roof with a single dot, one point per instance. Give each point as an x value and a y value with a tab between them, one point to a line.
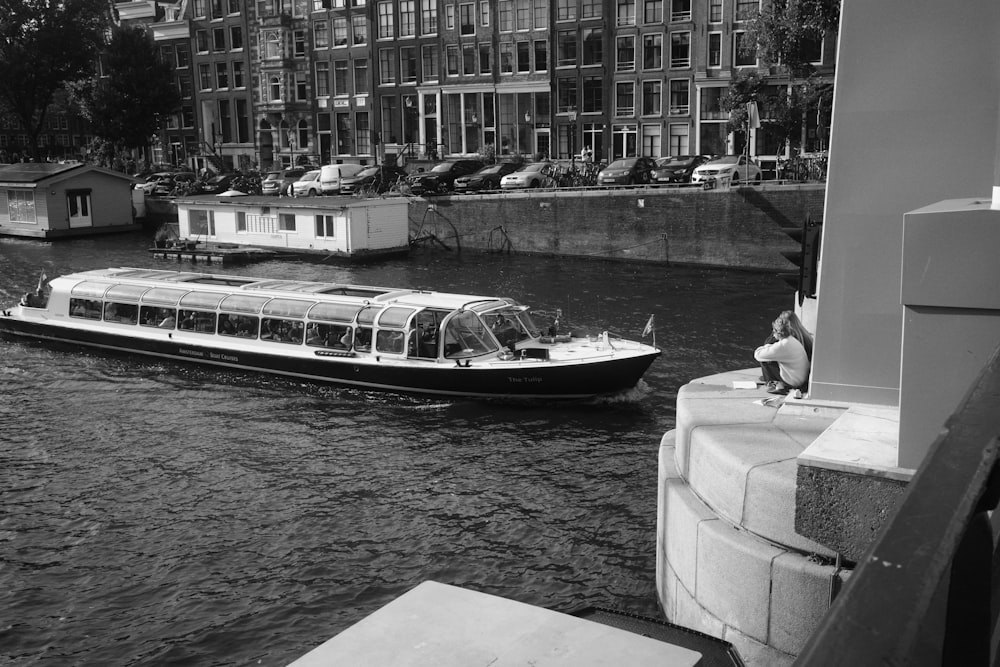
317	291
29	174
326	202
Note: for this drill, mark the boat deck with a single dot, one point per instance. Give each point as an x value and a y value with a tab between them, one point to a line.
214	253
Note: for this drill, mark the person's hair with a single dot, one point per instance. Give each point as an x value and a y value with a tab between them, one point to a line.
789	324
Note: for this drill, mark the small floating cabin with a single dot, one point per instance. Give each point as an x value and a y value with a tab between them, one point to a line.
340	226
49	200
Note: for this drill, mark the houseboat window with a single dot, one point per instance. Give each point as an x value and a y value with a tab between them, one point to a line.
333	312
201	223
163	295
89	309
126	292
287	307
243	326
395	316
21	205
281	330
465	335
90	289
391	341
155	316
242	303
337	336
202	299
126	313
286	222
196	320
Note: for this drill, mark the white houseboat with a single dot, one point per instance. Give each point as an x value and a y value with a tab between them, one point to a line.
381	338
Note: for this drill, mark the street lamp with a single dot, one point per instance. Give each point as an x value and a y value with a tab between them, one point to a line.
572	132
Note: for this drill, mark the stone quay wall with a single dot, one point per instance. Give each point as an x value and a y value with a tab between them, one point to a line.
740	228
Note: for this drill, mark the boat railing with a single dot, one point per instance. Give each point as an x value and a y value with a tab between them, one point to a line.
924	593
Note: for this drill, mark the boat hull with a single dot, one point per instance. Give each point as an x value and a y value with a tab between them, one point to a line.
489	378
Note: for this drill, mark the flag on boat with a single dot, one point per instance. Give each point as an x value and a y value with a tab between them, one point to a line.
42	279
649	327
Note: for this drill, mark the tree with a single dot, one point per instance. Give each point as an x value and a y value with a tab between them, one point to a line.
123	106
43	45
784	29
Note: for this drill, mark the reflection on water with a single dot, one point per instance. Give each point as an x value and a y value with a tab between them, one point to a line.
158	513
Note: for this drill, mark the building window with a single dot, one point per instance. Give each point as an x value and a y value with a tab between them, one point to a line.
590	9
523	57
744	51
407	19
652	98
201	41
359	25
183	56
567	48
449	17
624	99
468	59
680	10
485	59
274	89
522	15
236	38
467	18
21	206
429	62
593	46
321	35
302	132
386	29
593	98
541	15
679	144
361	76
272	44
387	67
541	55
506	58
451	60
506	13
408	65
428	18
363	134
222	75
340	31
322	79
238	74
301	87
484	13
650	140
219	39
299	40
625	54
680	97
652	11
652	51
567	95
565	10
626	12
680	49
746	9
340	78
715	49
204	77
715	11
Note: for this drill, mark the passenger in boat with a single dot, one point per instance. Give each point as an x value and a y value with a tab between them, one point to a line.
784	356
313	336
226	326
168	322
188	322
345	340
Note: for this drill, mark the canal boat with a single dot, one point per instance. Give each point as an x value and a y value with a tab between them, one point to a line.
377	338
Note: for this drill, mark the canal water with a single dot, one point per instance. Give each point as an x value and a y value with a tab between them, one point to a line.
154	513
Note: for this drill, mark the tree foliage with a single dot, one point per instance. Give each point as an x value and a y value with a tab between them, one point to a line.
123	106
43	45
784	28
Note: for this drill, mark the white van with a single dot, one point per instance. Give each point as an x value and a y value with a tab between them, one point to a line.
330	175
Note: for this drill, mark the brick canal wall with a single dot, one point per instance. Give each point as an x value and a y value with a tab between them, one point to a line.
738	229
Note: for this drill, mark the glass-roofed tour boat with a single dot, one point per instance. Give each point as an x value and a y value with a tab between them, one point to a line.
403	340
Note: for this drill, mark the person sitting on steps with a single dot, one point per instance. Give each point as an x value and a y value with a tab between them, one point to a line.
784	357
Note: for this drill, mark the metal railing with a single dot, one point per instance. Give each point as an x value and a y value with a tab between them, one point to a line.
923	594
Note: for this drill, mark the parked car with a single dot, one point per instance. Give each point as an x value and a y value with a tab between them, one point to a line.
487	178
737	167
182	182
308	185
441	178
627	171
280	182
218	184
378	179
331	175
152	180
534	175
676	169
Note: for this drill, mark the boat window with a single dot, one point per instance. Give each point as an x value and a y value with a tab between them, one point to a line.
165	295
229	281
281	331
507	326
363	339
465	335
333	312
424	333
367	315
89	309
390	341
395	316
287	307
155	316
126	313
90	289
200	321
202	299
126	292
242	303
337	336
242	326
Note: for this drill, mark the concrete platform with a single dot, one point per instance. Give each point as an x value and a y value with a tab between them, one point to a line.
437	625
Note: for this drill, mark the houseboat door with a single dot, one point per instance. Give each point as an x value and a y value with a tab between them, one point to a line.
78	203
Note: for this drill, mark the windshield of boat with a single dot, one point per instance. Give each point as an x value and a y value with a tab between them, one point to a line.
511	325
